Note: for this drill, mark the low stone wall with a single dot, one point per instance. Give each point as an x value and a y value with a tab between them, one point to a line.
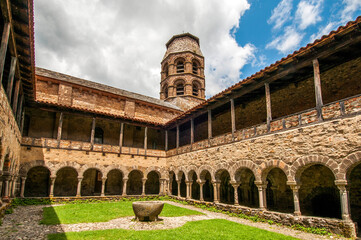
336	226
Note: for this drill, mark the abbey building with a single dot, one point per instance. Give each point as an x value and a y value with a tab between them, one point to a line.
283	143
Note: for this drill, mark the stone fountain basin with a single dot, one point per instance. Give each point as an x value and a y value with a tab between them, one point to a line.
147	210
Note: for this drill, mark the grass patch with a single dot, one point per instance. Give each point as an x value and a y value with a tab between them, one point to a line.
101	212
202	230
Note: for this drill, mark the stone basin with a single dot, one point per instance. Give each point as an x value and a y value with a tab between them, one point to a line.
147	210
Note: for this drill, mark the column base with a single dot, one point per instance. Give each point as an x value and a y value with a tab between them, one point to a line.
216	201
236	204
78	195
297	213
346	218
102	195
51	196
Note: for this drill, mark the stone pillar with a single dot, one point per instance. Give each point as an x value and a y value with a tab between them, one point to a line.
161	189
52	181
216	185
235	186
170	187
14	186
318	91
78	189
144	180
190	189
341	185
104	179
179	183
260	187
187	192
22	187
296	202
125	181
201	183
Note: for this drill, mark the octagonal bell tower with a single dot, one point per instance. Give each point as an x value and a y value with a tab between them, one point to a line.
182	76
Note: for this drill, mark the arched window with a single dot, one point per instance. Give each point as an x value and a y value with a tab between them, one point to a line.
180	88
165	90
180	66
195	89
195	67
98	135
165	70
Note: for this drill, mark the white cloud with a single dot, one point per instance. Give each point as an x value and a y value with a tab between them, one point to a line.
308	13
121	43
351	6
286	42
324	30
281	14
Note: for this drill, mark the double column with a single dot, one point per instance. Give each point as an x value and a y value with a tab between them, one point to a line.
216	191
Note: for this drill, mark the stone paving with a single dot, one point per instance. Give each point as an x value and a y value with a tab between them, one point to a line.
24	224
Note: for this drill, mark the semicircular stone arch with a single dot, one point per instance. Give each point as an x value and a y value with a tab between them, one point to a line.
245	164
109	168
202	171
220	168
158	170
348	164
303	163
24	168
180	171
72	164
84	168
266	167
191	169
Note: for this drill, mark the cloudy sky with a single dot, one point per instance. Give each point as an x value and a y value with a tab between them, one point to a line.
121	42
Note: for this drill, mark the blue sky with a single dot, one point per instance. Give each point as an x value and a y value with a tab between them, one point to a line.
121	43
255	26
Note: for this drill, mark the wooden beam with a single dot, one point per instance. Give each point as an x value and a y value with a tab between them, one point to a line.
20	107
268	105
16	95
3	48
9	89
177	140
318	91
121	136
60	126
166	140
92	133
192	131
233	119
209	125
145	139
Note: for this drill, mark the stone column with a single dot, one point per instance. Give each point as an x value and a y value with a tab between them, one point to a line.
104	179
201	183
52	181
296	202
14	186
235	186
161	189
144	180
260	187
78	189
179	183
166	187
170	183
215	191
125	181
188	189
341	185
22	187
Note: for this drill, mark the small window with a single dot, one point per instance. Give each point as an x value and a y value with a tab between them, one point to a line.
98	135
195	90
166	70
165	90
195	68
180	67
180	89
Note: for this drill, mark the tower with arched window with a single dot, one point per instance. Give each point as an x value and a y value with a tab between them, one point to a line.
182	75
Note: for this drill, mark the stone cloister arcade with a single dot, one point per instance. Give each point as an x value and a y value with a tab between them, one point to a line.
311	186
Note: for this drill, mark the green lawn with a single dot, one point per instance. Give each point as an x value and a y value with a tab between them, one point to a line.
219	229
101	212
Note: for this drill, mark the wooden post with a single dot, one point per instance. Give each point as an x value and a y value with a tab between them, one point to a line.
166	140
268	105
145	139
19	109
233	119
209	125
192	131
121	137
9	89
60	127
16	95
92	133
177	140
318	91
3	48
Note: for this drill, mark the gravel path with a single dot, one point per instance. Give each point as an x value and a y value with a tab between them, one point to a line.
24	224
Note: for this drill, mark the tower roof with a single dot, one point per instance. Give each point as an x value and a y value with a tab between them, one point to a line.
181	43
